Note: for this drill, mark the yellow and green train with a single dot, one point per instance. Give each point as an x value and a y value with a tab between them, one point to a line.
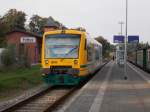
69	56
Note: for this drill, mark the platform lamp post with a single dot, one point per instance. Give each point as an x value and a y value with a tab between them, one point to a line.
121	24
126	36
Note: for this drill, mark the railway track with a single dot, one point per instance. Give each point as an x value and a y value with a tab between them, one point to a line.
43	102
46	100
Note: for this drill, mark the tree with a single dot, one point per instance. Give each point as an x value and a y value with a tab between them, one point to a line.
3	30
107	47
36	24
15	19
8	56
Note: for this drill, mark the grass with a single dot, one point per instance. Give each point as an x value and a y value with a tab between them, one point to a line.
15	82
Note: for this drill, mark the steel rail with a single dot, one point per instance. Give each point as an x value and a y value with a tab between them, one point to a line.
46	100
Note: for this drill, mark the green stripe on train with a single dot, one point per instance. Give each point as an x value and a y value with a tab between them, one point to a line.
62	79
86	65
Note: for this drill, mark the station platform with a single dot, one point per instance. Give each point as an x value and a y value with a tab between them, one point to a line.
109	91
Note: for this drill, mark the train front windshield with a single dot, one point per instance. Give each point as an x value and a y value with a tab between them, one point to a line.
62	46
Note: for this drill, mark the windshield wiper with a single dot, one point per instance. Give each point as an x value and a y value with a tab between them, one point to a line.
71	51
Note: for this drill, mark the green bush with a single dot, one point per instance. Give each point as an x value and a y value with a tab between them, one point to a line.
23	60
8	56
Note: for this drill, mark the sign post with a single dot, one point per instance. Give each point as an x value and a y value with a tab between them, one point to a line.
125	43
119	39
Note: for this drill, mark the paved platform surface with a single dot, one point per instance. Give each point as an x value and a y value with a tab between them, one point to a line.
108	91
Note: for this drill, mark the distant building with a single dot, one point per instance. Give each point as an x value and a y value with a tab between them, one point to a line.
51	25
26	43
30	43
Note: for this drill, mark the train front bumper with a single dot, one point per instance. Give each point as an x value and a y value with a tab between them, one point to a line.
62	79
61	76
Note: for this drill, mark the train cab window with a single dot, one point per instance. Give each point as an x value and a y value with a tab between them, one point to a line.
62	46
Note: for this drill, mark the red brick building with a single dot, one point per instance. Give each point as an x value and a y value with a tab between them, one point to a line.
29	44
26	43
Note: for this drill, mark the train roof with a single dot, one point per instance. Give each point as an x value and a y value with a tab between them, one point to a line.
77	31
66	30
93	40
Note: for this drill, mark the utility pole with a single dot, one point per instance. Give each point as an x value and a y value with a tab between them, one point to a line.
126	36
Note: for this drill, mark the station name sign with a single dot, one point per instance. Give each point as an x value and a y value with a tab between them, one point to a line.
119	39
25	40
133	39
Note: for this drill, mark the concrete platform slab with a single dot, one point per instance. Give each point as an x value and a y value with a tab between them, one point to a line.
108	91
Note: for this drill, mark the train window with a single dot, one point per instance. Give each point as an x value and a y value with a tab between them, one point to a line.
97	54
89	53
62	46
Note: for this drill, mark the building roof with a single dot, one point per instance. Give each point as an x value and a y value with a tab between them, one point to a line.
51	23
25	32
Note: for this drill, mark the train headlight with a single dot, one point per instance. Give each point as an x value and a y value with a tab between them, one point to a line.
43	74
75	62
46	61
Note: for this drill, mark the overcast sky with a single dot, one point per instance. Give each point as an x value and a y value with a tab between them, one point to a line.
99	17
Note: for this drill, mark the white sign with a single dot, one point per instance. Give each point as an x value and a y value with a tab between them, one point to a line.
28	40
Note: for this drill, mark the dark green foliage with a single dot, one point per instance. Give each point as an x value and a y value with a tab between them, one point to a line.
107	47
142	45
36	24
8	56
15	19
136	46
13	61
12	20
24	61
3	30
